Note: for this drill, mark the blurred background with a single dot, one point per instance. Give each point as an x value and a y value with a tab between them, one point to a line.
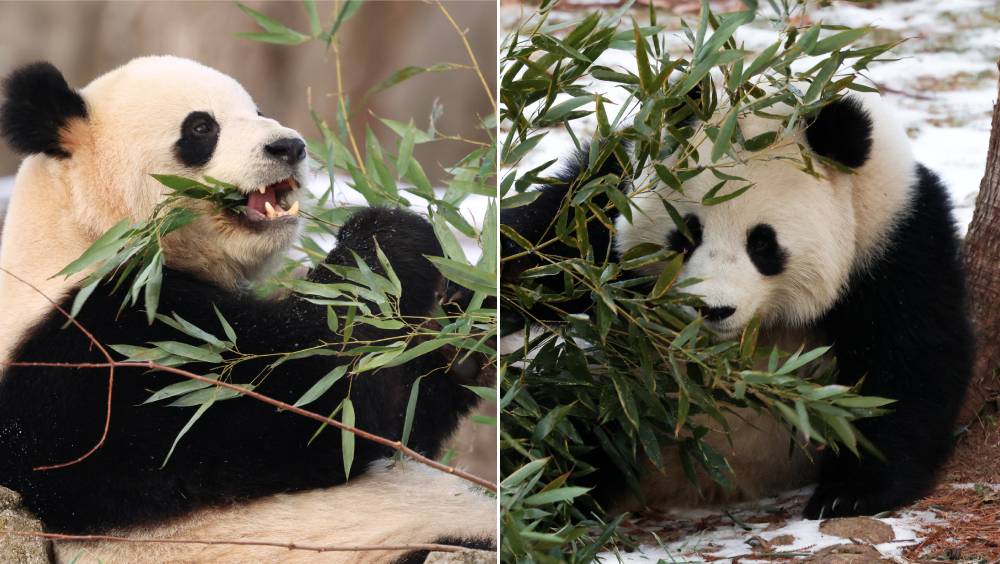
87	39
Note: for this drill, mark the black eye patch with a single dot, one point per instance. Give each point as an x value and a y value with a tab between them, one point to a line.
677	242
764	251
199	136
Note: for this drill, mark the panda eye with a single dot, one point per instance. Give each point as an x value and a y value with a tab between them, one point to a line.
199	136
764	251
680	243
202	128
760	241
199	124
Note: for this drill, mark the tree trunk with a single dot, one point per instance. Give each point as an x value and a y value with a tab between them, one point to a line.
982	264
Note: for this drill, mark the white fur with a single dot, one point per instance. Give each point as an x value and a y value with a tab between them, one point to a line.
827	225
405	503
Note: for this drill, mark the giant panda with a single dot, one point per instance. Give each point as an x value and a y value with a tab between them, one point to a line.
863	256
245	471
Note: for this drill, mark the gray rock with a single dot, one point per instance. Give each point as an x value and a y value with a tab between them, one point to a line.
463	557
16	548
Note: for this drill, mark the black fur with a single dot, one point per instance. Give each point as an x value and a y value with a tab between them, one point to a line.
678	243
842	131
764	251
902	326
536	223
37	106
199	136
420	556
241	448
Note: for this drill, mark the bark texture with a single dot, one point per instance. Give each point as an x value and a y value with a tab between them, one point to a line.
982	263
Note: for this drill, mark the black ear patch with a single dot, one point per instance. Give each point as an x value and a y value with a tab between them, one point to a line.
841	131
37	105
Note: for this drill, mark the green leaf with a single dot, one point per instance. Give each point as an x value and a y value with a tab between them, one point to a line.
556	495
103	248
188	351
289	37
838	41
180	388
524	472
350	7
347	437
187	427
411	409
761	62
226	327
488	394
321	386
208	395
407	73
466	275
710	198
863	402
723	139
315	27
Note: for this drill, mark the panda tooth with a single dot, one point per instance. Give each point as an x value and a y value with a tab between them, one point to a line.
262	189
294	210
271	214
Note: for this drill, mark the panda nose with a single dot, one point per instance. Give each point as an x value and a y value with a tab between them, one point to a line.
290	149
713	313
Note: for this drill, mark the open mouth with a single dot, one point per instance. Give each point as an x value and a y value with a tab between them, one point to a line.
272	203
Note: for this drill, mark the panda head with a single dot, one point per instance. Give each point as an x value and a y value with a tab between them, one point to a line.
784	249
159	115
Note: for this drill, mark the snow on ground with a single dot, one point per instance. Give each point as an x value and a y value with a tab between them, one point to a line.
943	86
763	530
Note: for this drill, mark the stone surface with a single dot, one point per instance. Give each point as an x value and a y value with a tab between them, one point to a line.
847	554
15	548
860	528
463	557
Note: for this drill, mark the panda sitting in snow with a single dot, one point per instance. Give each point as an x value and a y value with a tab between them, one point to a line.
246	471
865	260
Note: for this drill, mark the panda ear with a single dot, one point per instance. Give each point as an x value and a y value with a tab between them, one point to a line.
841	131
37	106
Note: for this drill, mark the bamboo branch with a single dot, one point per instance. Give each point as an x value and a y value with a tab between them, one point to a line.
276	544
472	55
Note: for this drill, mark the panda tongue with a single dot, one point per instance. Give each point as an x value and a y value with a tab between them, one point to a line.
256	200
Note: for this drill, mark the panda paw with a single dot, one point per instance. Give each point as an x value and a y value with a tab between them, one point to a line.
842	500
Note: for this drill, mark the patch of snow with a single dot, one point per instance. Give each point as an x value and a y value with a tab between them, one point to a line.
731	539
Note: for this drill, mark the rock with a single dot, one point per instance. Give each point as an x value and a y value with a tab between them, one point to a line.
861	528
15	548
782	540
463	557
847	554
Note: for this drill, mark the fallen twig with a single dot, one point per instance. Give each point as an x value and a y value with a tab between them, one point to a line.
276	544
